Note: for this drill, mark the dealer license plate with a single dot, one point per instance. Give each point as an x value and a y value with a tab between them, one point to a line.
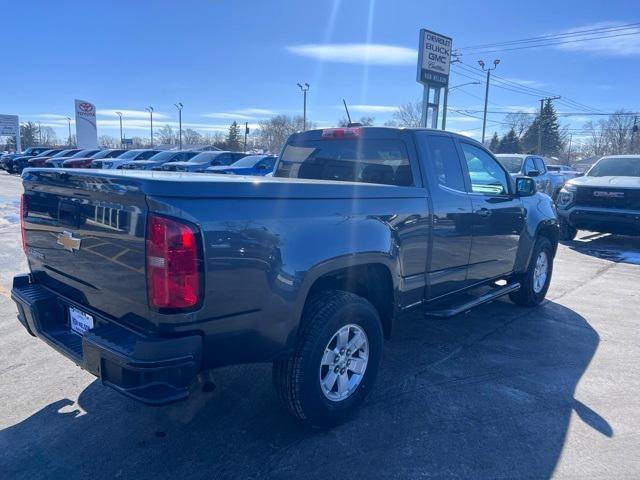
80	322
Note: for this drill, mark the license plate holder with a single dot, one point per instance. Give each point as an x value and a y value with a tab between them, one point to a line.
79	321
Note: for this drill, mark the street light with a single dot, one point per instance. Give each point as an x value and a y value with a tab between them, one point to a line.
179	107
446	101
304	90
486	93
121	137
150	110
69	123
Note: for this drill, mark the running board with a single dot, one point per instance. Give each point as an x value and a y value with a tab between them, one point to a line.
452	310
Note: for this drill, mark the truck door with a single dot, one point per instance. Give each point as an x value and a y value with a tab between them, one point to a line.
498	216
451	216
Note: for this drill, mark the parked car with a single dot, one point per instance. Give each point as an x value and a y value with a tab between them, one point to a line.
58	161
20	163
202	161
85	162
128	156
606	199
307	269
531	166
6	161
41	161
251	165
159	159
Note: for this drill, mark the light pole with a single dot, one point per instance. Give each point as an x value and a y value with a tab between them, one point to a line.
69	123
121	137
179	107
39	134
150	110
446	100
486	93
304	89
542	100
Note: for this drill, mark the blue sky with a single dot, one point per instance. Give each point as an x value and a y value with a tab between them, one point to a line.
241	60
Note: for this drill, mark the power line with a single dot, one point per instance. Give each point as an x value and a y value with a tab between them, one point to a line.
543	38
550	44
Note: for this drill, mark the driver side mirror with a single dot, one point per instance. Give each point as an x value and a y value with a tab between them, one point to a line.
261	167
525	187
533	173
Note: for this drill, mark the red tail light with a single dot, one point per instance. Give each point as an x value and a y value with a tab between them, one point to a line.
23	212
173	264
347	132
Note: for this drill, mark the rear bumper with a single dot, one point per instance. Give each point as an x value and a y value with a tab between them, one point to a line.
152	370
606	220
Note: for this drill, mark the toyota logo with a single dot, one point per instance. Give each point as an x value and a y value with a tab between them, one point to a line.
86	107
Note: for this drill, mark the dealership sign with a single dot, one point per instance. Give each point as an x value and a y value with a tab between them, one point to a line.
9	125
86	130
434	59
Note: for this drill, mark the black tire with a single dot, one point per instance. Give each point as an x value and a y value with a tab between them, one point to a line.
567	232
527	295
297	377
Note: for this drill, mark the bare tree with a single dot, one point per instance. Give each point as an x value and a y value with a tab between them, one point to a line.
107	141
191	137
274	132
597	143
619	131
165	135
407	115
519	122
365	121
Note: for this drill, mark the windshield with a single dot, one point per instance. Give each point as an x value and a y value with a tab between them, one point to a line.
512	164
162	157
107	154
204	157
616	166
84	153
64	153
249	161
131	154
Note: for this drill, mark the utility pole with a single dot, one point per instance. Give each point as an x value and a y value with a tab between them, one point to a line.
304	90
246	132
69	123
542	100
446	101
179	107
486	93
150	110
121	137
634	133
569	151
39	134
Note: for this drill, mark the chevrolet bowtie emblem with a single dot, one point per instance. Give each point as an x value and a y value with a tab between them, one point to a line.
68	242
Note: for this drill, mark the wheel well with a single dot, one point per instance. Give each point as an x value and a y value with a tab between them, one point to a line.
552	233
371	281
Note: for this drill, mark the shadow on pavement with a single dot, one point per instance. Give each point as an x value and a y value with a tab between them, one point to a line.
483	395
615	248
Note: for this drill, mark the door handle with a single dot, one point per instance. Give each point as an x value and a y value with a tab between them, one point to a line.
484	212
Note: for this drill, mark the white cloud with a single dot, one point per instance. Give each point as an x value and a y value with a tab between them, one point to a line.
371	108
462	119
242	114
358	53
50	116
130	113
621	42
528	83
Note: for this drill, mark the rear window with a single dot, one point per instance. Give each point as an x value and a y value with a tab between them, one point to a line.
383	161
512	164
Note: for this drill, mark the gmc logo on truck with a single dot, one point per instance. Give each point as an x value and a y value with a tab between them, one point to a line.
598	193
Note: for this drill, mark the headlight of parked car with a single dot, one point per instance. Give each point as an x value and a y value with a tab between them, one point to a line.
566	196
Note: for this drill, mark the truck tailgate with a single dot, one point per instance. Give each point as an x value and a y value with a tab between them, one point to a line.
85	238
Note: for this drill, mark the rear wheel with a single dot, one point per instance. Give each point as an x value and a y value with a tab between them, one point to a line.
335	361
534	283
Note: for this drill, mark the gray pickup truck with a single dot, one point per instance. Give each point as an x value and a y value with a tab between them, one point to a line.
147	279
532	166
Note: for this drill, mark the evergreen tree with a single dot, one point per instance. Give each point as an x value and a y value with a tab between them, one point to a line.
494	143
548	126
233	138
509	143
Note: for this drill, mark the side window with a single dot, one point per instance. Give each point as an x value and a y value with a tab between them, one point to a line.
540	165
485	173
528	165
442	152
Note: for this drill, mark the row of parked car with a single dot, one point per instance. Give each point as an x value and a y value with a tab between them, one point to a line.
222	162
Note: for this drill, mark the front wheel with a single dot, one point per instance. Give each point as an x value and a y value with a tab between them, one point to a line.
534	283
335	361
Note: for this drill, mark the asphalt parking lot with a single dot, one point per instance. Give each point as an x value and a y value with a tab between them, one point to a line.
501	392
